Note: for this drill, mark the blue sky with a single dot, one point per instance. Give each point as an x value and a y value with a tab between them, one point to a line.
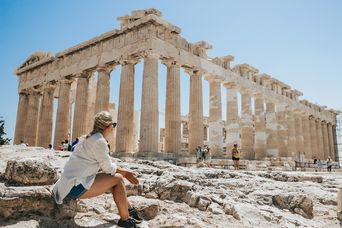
298	42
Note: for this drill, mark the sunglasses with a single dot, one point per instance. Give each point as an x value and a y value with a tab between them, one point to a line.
114	125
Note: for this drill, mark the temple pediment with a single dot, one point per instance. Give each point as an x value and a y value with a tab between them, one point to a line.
36	57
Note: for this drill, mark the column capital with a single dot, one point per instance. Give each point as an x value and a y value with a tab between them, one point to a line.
193	71
213	78
23	92
66	81
50	86
150	54
245	91
130	60
259	95
230	85
169	62
106	68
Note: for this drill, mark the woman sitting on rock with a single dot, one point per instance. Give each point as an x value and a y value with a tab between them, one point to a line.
80	178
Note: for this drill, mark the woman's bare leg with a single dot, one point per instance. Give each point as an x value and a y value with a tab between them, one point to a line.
104	183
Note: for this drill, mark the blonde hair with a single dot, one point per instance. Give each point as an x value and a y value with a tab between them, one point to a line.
102	120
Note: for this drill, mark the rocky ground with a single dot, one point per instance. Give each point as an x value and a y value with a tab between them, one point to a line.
168	195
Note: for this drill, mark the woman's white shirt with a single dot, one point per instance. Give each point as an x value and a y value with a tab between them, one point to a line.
88	158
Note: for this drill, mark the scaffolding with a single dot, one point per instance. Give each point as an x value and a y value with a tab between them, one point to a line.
339	137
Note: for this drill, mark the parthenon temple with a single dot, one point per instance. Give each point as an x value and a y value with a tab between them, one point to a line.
281	124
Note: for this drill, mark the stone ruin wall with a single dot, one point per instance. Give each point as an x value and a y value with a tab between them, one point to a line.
282	126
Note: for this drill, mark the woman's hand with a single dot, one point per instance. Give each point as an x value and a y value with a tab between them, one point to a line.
128	174
131	177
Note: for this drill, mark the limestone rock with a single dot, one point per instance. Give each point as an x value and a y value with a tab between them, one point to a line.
147	208
229	209
203	203
175	190
298	204
30	172
16	202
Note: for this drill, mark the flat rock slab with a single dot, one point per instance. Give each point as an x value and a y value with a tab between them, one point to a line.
30	171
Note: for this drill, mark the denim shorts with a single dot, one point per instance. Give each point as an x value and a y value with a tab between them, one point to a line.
76	192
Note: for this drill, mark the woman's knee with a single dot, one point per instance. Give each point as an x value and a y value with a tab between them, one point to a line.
119	177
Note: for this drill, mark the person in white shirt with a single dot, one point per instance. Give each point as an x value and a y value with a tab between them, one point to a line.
80	177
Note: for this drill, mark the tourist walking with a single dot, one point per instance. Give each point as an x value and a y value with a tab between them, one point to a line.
319	165
329	164
80	178
236	157
199	155
207	154
74	143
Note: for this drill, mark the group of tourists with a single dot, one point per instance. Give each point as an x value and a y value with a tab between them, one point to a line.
203	154
66	146
319	164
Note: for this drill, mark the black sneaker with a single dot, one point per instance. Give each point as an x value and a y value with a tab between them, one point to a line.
133	213
129	223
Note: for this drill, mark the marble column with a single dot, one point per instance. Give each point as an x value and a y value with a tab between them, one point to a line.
291	143
336	155
282	130
247	134
45	118
81	106
195	111
320	149
102	89
307	136
260	127
325	139
63	113
21	118
331	141
271	131
232	125
299	134
215	117
125	127
172	108
314	144
149	121
32	121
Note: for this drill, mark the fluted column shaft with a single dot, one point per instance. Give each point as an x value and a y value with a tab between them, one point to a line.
195	112
299	134
325	139
31	126
291	143
314	144
331	141
320	149
81	106
149	122
271	131
45	118
307	136
260	127
172	109
21	118
247	139
63	113
125	128
282	130
336	155
215	118
102	89
232	125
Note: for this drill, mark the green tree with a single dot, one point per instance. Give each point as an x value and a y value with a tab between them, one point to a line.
2	133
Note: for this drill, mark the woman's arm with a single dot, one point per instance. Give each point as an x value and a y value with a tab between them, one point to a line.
128	174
